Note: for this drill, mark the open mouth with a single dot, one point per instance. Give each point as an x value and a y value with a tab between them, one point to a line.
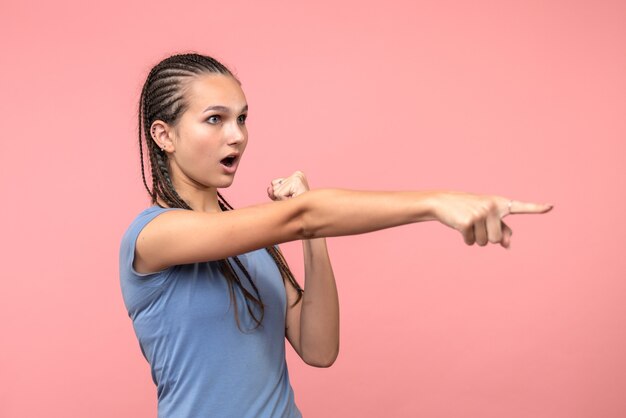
228	161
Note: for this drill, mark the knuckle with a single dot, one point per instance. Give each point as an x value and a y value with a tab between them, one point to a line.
466	222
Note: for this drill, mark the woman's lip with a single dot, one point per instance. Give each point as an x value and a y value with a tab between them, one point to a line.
232	168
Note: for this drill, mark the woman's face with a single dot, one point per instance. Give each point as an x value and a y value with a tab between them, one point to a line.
212	129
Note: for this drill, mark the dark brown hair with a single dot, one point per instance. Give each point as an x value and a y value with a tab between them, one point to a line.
163	98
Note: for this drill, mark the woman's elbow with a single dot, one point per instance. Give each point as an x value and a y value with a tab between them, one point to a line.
321	361
310	221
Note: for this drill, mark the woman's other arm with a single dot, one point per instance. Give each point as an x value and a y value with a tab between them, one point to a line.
312	324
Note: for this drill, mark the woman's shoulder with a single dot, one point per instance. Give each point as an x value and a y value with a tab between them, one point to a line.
152	211
154	208
146	215
129	238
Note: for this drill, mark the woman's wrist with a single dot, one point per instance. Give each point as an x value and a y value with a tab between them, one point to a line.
426	204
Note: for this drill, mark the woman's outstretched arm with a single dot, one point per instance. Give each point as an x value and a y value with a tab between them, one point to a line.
183	236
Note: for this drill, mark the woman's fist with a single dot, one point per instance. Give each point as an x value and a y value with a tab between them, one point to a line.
479	217
287	187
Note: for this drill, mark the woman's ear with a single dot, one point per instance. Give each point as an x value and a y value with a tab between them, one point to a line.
160	134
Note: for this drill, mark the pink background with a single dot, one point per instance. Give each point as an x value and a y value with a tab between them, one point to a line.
523	99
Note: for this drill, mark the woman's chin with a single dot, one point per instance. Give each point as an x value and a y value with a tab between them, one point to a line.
227	183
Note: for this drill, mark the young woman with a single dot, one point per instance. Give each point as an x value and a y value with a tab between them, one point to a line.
206	286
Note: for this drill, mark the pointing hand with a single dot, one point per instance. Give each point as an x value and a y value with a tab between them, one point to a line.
479	217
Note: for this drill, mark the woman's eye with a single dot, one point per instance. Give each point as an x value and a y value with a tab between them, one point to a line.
242	119
214	119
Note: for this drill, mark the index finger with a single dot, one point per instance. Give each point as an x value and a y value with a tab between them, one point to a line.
527	207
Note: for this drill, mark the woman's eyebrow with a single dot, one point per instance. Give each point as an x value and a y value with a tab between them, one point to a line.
221	108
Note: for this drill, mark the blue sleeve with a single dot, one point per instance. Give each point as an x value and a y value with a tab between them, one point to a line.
127	247
139	288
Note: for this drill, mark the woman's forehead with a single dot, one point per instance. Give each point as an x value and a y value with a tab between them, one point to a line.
215	89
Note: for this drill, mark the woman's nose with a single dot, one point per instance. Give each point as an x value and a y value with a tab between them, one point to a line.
236	134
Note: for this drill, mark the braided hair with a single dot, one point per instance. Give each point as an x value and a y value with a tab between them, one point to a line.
163	98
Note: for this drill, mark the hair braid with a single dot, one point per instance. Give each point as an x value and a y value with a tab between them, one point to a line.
141	114
163	98
170	195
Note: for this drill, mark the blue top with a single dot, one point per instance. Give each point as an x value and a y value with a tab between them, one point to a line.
202	364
